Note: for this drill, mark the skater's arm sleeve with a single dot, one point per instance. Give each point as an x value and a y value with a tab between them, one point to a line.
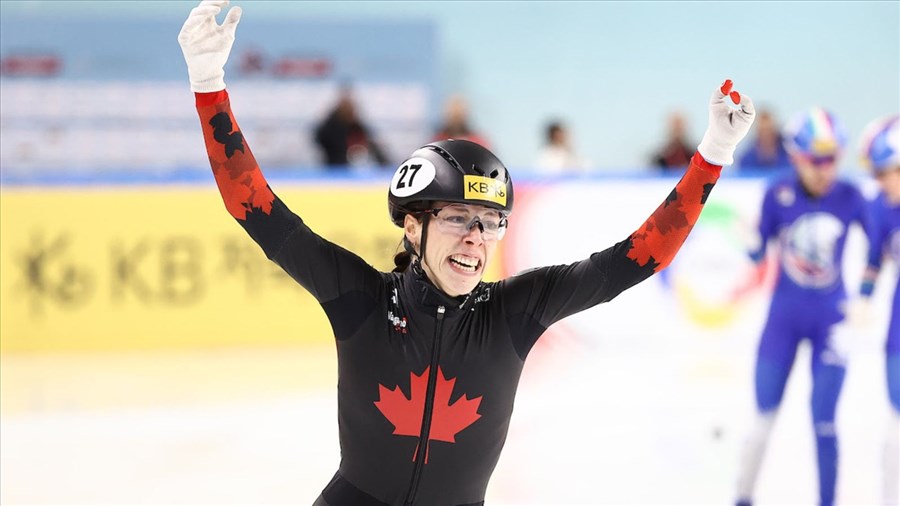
536	299
326	270
654	245
876	233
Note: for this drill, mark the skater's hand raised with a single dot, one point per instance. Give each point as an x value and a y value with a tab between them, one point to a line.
730	117
206	44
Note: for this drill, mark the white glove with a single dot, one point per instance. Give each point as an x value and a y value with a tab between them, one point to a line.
858	312
206	44
727	125
854	330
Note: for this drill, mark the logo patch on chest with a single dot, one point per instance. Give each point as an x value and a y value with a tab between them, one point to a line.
399	322
447	420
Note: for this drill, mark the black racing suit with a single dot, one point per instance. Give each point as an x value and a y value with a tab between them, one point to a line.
426	382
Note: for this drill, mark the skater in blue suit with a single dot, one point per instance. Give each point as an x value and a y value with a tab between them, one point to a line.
880	148
807	214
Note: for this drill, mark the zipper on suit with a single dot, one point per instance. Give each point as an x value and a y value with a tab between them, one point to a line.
425	432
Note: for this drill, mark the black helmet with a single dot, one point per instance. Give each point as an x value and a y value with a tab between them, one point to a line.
451	171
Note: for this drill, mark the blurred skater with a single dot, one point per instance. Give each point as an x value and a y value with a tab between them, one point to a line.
880	148
808	213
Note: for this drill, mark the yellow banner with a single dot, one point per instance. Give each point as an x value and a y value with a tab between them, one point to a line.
162	267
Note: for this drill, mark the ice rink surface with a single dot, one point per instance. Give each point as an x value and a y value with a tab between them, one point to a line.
593	424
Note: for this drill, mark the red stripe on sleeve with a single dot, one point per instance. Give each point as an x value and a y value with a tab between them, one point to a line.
208	99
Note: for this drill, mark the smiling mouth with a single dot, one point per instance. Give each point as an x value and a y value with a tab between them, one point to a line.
465	263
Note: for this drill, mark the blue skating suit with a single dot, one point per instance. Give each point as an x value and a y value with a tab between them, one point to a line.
806	302
886	244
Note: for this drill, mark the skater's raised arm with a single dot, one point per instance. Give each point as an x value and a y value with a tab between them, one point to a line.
562	290
323	268
656	242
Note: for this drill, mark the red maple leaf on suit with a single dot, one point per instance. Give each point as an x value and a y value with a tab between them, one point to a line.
447	419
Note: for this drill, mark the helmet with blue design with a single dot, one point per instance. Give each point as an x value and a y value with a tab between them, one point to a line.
880	144
815	134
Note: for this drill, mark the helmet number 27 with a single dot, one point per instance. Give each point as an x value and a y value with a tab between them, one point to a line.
412	169
413	176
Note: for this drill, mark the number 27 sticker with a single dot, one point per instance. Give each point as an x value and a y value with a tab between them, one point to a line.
413	176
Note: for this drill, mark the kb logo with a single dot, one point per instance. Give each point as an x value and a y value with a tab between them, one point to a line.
485	188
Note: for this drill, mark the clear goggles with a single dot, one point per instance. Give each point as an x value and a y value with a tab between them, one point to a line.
459	219
820	162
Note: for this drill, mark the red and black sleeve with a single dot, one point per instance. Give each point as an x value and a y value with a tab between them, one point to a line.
656	242
534	300
245	191
652	247
326	270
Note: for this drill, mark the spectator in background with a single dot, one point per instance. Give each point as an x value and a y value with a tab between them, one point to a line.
252	62
677	151
766	151
344	138
557	155
456	123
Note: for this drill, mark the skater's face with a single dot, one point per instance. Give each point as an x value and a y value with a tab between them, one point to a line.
461	241
889	180
816	174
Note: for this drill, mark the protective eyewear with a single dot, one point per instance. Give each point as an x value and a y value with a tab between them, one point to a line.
458	220
820	161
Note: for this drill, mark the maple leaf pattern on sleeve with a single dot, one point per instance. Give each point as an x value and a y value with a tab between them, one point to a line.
405	414
657	241
241	183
